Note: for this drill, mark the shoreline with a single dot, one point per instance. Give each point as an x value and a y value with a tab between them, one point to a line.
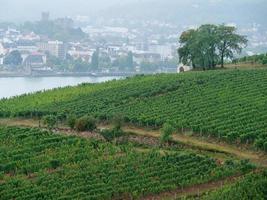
96	75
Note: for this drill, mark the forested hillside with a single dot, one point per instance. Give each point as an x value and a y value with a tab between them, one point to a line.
230	104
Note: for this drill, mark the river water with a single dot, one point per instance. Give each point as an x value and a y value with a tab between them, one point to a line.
16	86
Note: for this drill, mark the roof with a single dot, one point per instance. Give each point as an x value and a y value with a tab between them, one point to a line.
38	58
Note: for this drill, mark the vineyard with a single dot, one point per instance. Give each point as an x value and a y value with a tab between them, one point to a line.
251	187
36	164
230	105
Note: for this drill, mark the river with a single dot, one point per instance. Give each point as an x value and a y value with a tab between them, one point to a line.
16	86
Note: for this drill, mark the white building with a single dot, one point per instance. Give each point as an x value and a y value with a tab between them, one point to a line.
55	48
183	68
3	51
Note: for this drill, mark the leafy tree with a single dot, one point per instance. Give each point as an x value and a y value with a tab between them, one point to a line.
188	51
80	66
125	62
95	60
50	121
229	42
166	132
209	45
104	61
130	62
13	58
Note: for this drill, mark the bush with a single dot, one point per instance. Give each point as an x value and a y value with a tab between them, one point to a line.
264	61
110	135
50	121
71	121
166	132
54	164
85	123
118	122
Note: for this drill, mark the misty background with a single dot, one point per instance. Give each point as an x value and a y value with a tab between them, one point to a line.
180	12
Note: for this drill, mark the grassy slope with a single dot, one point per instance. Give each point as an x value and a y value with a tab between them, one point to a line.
231	104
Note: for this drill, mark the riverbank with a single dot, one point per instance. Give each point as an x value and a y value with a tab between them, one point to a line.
13	85
69	74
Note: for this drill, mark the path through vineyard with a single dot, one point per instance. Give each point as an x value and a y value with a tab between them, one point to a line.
188	140
193	141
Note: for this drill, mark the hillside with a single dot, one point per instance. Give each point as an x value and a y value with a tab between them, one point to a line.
251	187
37	164
230	105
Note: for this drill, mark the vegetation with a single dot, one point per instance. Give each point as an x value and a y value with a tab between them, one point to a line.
210	45
252	60
13	58
59	29
36	164
50	121
110	135
85	123
253	186
230	105
125	62
166	132
71	119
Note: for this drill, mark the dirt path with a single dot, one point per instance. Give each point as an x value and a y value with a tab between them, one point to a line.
191	141
196	190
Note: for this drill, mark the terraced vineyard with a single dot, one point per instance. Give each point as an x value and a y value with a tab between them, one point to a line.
231	105
251	187
36	164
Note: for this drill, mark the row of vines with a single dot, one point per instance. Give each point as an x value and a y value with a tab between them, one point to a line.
231	105
36	164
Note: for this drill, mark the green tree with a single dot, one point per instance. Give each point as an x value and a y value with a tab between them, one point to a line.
209	45
95	60
188	51
129	61
166	132
13	58
229	42
80	66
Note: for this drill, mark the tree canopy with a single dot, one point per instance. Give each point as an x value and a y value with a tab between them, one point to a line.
210	45
13	58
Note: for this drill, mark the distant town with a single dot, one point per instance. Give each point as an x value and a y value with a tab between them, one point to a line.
54	47
58	48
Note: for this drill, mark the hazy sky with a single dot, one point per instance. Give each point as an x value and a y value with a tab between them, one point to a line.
28	9
22	10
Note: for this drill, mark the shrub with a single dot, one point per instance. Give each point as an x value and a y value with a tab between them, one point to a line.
85	123
110	135
166	132
54	164
71	121
50	121
264	61
118	122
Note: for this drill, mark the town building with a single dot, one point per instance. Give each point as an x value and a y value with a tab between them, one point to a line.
55	48
35	62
